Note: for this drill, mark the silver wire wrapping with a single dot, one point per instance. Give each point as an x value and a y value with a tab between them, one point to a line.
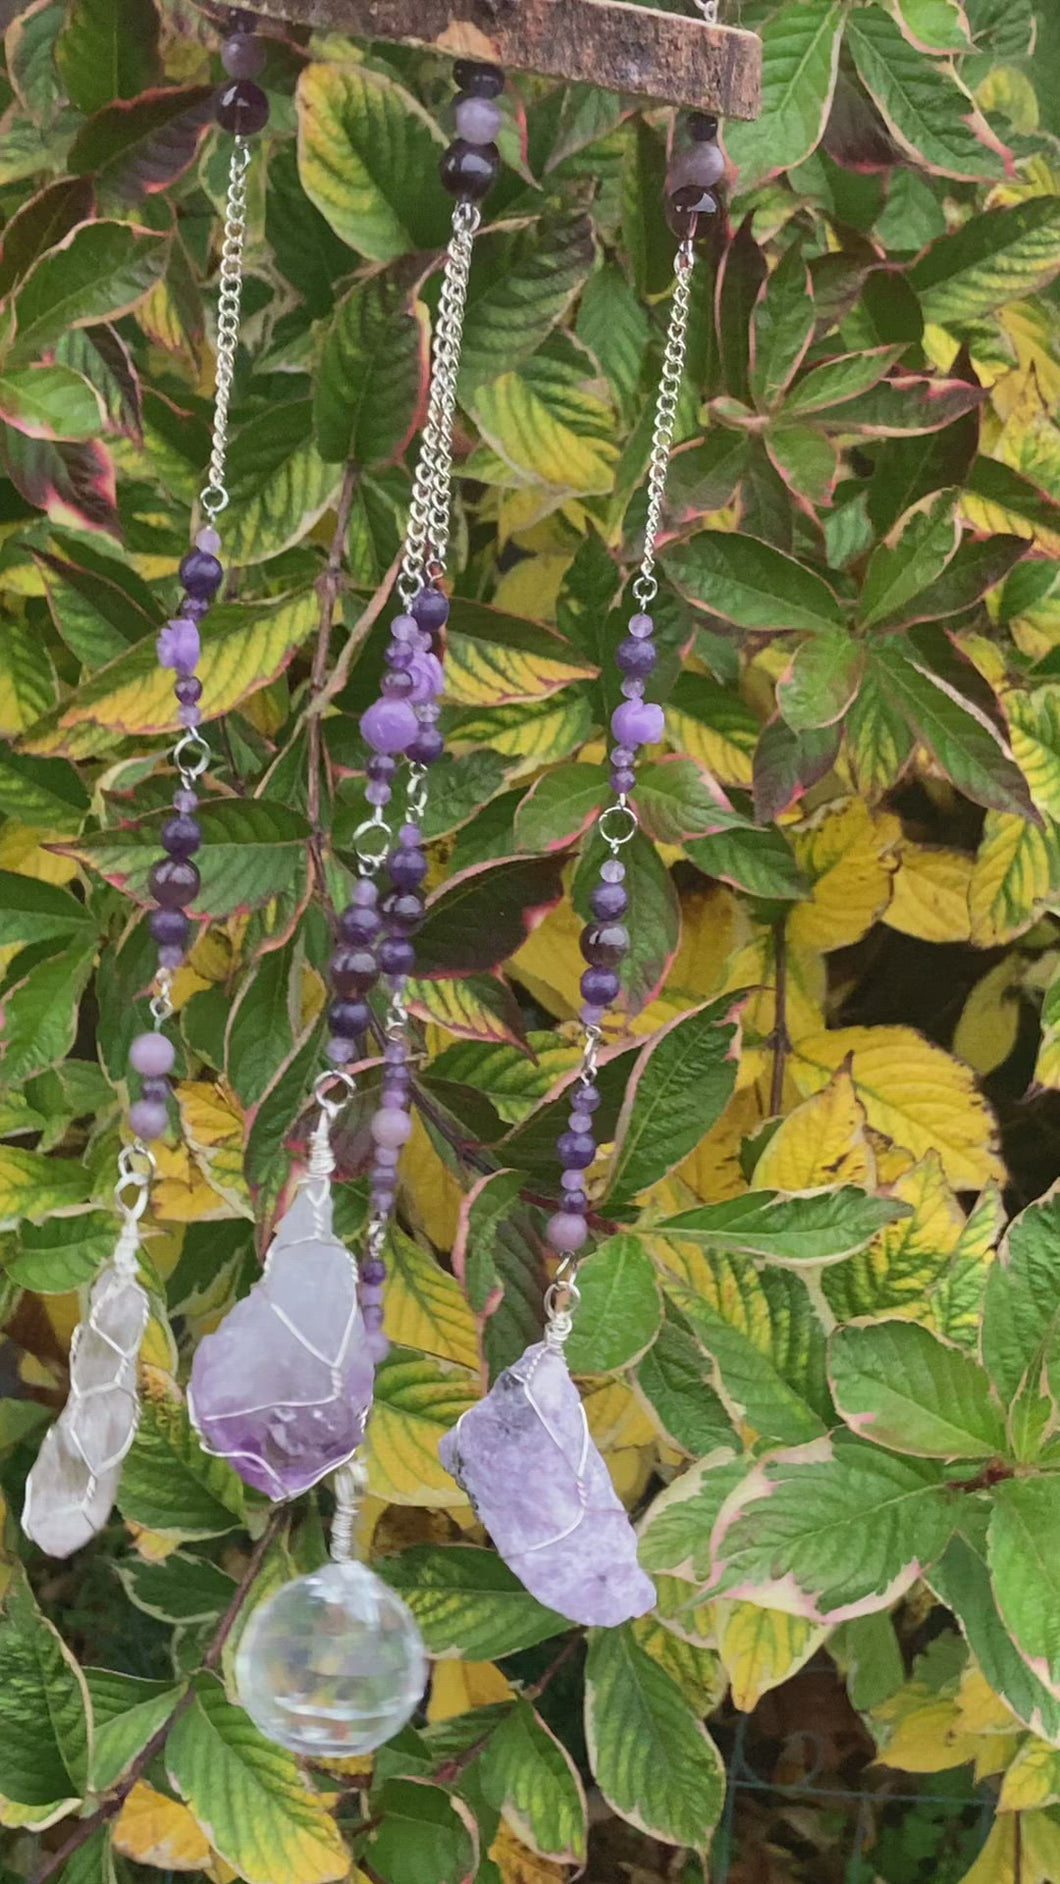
74	1480
618	823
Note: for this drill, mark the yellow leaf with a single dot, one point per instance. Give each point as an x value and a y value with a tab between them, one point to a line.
616	1418
754	967
426	1307
714	923
922	1733
1023	1851
713	1171
417	1399
760	1648
1034	730
1033	1779
930	894
22	851
548	963
213	1129
896	1272
544	420
822	1141
913	1092
696	1670
727	752
481	670
458	1687
155	1830
990	1018
179	1192
517	1865
848	852
432	1194
1015	870
981	1710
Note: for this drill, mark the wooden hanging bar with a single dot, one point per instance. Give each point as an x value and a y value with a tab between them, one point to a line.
663	56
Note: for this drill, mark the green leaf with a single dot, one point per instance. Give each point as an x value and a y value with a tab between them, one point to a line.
279	484
651	1756
41	1008
520	288
39	223
482	915
1024	1558
98	604
467	1602
34	1184
249	1794
980	563
916	552
997	256
674	1378
784	1536
930	116
370	383
751	584
44	1721
107	49
933	25
825	389
620	1310
681	1083
765	1344
803	1227
758	860
170	1484
781	328
821	682
62	1253
34	911
961	1580
137	146
529	1775
180	1588
558	806
98	271
548	421
899	406
897	1384
676	799
368	158
1021	1305
252	851
800	56
125	1713
676	1532
423	1835
49	402
961	738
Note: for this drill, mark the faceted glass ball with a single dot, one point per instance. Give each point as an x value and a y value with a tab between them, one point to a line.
333	1664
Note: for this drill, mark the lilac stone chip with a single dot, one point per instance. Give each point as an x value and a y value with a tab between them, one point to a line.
283	1387
526	1459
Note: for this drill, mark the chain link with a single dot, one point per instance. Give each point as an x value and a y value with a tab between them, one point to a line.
709	10
214	495
645	588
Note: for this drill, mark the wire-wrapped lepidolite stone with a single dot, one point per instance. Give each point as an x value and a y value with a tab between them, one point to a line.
72	1486
282	1388
527	1461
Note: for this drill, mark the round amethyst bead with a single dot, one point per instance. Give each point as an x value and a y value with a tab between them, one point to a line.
636	658
427	746
359	924
609	900
473	75
174	882
152	1055
403	909
349	1018
389	726
381	768
585	1097
340	1051
243	56
148	1118
242	108
188	689
604	945
599	986
201	574
623	779
373	1272
430	609
155	1087
469	171
353	970
576	1150
399	684
181	837
170	928
566	1231
407	868
396	955
178	645
477	119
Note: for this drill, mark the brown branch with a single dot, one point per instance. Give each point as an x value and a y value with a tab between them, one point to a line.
571	1643
781	1039
112	1805
328	588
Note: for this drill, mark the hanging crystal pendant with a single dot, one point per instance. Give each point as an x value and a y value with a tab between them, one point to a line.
333	1664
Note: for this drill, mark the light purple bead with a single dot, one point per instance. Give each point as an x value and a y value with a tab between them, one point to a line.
365	892
394	1052
565	1231
427	679
189	715
641	626
609	900
208	538
633	689
340	1052
148	1118
376	1346
637	722
613	870
152	1055
169	956
477	120
391	1127
623	780
590	1014
178	645
389	726
387	1158
580	1121
700	163
383	1199
242	56
185	802
378	793
571	1180
404	628
622	755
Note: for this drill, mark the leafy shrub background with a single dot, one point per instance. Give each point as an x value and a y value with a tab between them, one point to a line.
845	976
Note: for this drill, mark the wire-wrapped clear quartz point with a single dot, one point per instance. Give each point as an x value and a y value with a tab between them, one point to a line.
333	1664
527	1461
282	1388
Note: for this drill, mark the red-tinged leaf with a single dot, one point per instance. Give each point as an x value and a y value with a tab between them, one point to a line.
559	806
138	146
39	224
1014	496
751	584
475	1007
902	405
781	328
928	113
703	476
371	379
677	798
787	763
493	658
740	277
480	917
835	381
979	565
98	271
808	462
821	681
74	484
251	852
499	1257
49	401
962	737
683	1080
102	356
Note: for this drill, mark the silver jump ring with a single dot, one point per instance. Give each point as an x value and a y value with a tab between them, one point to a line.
625	835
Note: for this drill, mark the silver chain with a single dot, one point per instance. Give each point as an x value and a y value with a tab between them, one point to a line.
214	495
645	588
709	10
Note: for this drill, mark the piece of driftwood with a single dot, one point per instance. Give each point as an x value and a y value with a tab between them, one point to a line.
664	56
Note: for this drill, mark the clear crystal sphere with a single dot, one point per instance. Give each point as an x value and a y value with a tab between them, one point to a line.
332	1664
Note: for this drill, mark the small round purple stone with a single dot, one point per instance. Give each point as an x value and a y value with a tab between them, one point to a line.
396	955
599	986
243	56
353	970
389	726
242	108
636	658
349	1018
609	900
430	609
427	746
357	924
576	1150
566	1231
180	836
152	1055
407	868
174	882
201	574
170	928
148	1118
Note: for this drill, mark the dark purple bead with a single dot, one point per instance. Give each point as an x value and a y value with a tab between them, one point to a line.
358	923
201	574
692	200
576	1150
155	1088
353	970
599	986
398	684
585	1097
174	882
577	1201
609	900
188	689
181	837
373	1272
348	1018
430	609
636	658
396	955
194	607
170	928
381	768
469	171
427	746
702	127
484	81
242	108
243	56
407	868
403	909
604	945
623	779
